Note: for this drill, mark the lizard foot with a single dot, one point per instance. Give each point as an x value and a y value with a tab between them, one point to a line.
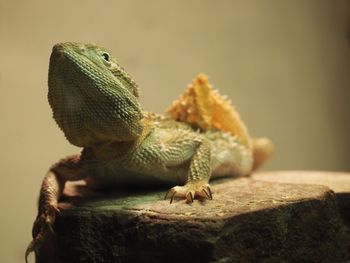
190	191
41	228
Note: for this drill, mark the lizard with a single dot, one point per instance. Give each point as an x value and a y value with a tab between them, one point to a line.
95	103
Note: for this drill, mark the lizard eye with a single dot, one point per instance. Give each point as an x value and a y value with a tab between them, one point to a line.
105	56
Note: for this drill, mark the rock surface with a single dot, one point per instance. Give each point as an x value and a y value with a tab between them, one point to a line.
270	217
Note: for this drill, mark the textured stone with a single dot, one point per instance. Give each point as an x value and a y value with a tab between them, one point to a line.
339	182
249	220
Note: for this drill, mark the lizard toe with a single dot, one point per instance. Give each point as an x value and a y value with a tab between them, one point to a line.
190	191
42	227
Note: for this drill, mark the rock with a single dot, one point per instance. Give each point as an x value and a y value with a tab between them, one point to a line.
250	220
339	182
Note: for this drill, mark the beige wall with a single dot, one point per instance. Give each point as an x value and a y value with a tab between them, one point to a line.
285	64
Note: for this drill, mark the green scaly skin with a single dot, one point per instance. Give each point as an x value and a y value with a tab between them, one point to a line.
95	103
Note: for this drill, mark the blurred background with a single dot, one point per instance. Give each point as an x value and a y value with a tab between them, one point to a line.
284	64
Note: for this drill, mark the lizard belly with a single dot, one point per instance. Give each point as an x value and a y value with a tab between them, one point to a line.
228	155
112	174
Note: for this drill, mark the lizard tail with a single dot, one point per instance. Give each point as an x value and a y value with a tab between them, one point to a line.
262	150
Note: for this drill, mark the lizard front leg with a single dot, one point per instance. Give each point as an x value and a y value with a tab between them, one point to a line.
67	169
198	174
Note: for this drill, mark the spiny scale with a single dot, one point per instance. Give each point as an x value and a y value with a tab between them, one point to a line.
203	107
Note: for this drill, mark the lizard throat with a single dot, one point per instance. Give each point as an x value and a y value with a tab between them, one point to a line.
112	150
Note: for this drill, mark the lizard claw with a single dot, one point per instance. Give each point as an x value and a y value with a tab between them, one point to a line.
41	228
207	191
190	191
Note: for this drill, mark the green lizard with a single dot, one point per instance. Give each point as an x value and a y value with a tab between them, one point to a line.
95	103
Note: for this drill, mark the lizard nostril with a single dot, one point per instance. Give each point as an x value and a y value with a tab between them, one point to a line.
57	47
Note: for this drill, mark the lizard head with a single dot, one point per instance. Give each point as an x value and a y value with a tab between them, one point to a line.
93	99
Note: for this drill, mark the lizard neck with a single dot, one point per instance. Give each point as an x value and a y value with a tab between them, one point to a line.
109	150
112	149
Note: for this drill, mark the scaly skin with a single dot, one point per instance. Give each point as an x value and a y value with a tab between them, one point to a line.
95	103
